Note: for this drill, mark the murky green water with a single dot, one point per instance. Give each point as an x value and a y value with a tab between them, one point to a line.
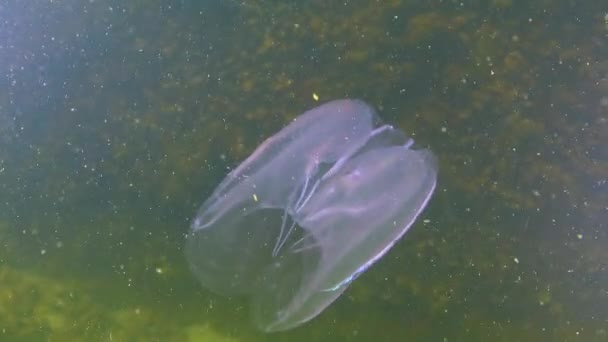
118	119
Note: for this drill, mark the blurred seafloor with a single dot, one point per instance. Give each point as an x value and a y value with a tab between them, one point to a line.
118	119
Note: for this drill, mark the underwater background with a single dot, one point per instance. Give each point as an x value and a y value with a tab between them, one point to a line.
118	119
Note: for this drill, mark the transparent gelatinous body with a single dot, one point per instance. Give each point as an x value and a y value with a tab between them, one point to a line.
313	207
